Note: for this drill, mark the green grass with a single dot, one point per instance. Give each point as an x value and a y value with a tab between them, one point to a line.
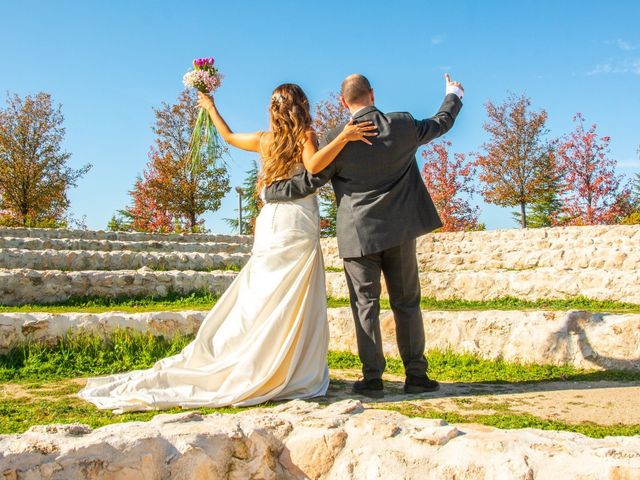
199	300
46	403
509	420
59	405
455	367
220	268
37	383
83	354
202	300
333	269
510	303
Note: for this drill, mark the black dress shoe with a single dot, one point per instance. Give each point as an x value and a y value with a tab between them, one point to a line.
369	388
423	384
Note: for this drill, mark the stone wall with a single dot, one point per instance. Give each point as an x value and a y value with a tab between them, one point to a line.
25	286
44	266
594	247
80	260
52	233
581	339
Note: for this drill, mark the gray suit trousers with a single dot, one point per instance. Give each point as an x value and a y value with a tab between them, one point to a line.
400	268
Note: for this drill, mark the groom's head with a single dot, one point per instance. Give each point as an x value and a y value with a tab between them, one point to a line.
356	92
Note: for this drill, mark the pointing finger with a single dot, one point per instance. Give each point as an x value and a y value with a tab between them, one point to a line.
447	78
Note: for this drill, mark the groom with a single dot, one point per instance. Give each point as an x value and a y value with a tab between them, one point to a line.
383	206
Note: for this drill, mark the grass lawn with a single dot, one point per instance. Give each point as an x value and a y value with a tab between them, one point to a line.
38	383
511	420
205	300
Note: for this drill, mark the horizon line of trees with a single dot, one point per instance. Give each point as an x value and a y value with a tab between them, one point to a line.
568	180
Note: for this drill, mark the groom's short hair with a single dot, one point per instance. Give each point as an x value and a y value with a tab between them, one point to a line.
355	88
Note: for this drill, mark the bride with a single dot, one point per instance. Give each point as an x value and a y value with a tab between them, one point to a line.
267	337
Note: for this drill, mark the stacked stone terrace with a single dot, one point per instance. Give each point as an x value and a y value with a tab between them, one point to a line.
42	266
599	262
51	265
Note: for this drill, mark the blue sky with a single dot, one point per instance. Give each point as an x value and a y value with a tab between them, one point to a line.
109	63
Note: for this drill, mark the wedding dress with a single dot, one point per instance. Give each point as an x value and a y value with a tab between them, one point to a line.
265	339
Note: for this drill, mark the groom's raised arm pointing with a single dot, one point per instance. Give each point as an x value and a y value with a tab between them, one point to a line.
410	134
432	128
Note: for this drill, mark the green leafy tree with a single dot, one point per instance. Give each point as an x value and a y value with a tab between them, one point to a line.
512	165
34	172
634	217
251	203
121	221
543	211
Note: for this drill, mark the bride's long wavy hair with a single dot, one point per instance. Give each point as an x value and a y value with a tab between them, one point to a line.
290	118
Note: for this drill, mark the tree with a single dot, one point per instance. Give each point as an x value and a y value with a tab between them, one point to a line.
328	114
177	194
147	214
513	167
120	222
447	180
34	171
636	192
251	203
544	210
634	217
593	193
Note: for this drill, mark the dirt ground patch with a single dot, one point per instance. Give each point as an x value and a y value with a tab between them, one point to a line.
602	403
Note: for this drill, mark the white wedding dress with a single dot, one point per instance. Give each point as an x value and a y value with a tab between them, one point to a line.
265	339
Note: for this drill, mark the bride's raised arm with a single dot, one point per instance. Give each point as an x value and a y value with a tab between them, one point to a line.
245	141
317	160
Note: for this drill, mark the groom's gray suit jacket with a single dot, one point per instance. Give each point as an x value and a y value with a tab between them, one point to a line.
382	200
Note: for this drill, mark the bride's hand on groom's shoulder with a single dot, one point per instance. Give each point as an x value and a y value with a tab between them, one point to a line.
205	101
359	131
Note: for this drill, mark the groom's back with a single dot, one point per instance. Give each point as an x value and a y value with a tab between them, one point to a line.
382	199
377	167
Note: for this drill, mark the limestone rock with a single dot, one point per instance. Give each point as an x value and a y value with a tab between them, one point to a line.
582	339
253	445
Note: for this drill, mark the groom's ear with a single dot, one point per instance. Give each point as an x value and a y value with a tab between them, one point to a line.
344	102
372	97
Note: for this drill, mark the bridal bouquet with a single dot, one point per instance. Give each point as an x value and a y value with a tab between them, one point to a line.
205	78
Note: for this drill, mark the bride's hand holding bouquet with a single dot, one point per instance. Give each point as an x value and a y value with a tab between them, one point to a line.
205	138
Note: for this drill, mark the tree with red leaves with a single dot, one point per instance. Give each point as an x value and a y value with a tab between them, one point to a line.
146	213
447	180
513	167
171	196
328	114
593	193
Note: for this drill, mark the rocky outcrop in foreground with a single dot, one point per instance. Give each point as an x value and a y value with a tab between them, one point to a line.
300	440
